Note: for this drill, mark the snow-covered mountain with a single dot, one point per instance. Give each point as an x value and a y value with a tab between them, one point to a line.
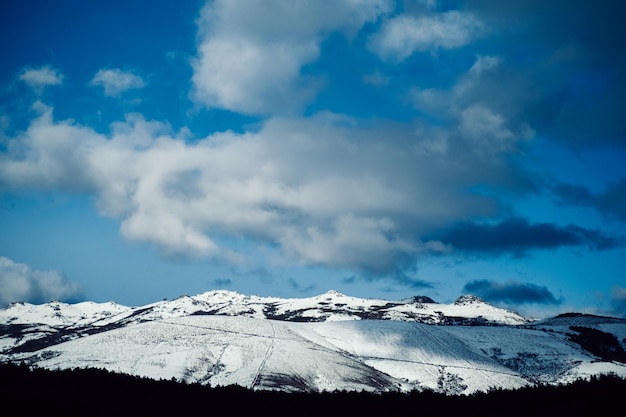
328	342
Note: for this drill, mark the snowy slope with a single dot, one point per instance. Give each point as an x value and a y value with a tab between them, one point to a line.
56	313
33	327
325	307
415	353
218	350
328	342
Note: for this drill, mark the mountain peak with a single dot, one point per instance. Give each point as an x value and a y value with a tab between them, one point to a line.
333	293
16	304
418	299
329	306
468	299
222	295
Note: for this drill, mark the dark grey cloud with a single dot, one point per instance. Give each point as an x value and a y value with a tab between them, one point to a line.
611	203
511	292
518	236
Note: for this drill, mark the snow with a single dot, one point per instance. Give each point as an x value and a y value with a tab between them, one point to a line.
223	338
331	306
585	370
215	349
269	354
56	313
413	352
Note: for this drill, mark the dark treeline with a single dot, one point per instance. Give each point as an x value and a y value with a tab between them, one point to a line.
98	392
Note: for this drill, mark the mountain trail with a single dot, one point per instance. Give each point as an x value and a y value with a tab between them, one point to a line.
268	353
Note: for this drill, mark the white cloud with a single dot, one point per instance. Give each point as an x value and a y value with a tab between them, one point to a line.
320	189
350	241
169	231
41	77
53	158
115	81
20	282
248	77
402	35
250	53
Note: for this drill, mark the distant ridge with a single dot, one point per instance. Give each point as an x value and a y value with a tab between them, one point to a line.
576	319
329	306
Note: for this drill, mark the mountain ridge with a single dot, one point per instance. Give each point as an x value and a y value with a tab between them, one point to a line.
331	305
327	342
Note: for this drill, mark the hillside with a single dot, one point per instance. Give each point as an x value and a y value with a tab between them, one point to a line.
325	343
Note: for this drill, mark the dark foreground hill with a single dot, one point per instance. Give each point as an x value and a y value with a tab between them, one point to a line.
95	392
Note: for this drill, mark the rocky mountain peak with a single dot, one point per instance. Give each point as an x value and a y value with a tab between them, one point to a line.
419	299
468	299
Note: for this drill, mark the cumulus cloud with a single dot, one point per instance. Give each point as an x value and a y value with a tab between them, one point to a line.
247	77
250	54
403	35
115	81
20	282
38	78
511	292
53	158
321	190
518	236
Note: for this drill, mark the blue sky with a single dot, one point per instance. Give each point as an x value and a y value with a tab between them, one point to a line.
378	148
